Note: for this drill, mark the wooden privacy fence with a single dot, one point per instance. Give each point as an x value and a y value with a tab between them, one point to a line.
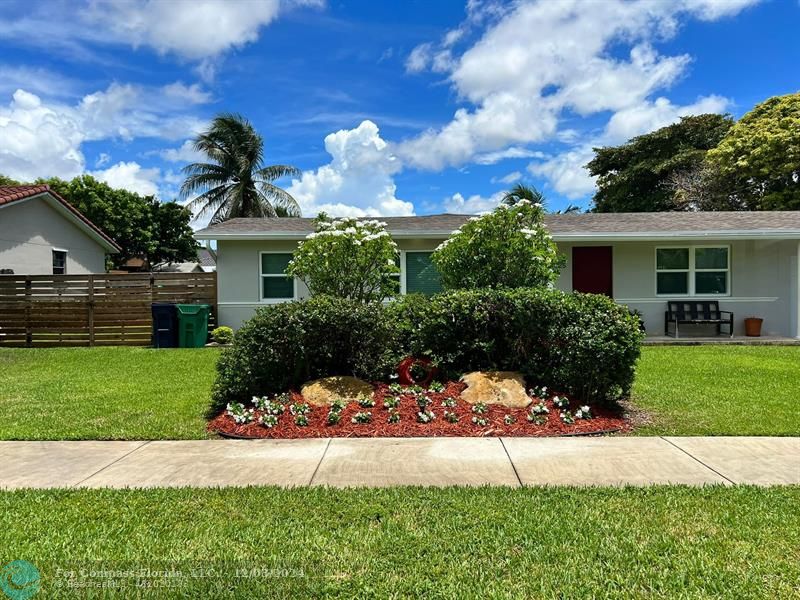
93	310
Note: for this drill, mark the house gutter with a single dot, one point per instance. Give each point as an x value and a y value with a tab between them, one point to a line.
647	236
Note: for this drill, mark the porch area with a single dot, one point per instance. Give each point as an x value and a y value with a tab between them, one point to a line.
736	340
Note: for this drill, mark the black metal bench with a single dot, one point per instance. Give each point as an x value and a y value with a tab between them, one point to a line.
697	312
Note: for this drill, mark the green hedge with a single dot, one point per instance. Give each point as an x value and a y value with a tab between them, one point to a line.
581	344
287	344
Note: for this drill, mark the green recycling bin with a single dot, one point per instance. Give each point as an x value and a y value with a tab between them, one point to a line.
192	325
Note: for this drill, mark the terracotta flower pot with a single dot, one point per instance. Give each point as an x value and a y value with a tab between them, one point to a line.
752	326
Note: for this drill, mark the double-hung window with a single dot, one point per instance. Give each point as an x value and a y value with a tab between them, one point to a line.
59	262
693	271
421	274
275	283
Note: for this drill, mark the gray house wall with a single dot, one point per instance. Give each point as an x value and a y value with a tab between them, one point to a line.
763	279
763	282
31	229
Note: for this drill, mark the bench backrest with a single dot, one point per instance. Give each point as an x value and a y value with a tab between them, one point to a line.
693	309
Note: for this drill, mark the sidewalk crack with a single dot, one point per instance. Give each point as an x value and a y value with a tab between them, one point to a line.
113	462
710	468
513	466
321	458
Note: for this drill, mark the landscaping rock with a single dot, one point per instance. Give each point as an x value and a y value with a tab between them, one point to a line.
322	392
506	388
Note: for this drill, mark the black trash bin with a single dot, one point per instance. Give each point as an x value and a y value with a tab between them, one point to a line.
165	325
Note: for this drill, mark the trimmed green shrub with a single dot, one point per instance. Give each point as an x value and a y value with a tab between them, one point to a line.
222	335
285	345
581	344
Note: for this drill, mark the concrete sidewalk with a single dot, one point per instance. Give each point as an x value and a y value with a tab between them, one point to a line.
343	462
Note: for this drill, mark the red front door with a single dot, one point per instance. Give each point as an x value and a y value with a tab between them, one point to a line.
592	270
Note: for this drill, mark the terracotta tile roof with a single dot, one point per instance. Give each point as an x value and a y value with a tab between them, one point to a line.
565	226
13	193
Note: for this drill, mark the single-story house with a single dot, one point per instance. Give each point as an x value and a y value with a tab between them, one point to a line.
748	261
42	234
206	263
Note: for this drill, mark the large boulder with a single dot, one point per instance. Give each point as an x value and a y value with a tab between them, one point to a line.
322	392
506	388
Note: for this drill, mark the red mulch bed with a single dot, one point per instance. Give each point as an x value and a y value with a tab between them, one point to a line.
604	420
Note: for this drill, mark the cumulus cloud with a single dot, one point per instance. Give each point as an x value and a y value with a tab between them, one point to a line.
512	177
358	181
519	85
42	139
184	153
130	176
566	172
475	204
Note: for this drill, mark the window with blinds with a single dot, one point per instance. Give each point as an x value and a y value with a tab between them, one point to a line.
421	275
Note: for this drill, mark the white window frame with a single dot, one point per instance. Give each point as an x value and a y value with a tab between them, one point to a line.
692	270
262	275
66	257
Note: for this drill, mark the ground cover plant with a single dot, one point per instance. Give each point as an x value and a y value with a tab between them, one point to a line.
657	542
412	411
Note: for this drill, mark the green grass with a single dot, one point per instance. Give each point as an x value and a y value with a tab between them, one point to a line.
141	393
104	393
670	542
719	390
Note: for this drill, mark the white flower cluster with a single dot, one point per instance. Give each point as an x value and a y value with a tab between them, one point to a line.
584	412
239	413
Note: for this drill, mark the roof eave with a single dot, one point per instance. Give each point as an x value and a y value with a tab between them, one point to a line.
283	235
677	236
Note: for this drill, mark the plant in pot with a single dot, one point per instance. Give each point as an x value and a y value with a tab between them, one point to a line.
752	326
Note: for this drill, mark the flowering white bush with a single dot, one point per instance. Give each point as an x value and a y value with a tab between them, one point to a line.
239	413
348	258
425	416
507	248
539	409
560	402
268	420
584	412
566	417
362	417
272	407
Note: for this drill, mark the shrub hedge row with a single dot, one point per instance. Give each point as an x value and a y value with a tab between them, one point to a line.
581	344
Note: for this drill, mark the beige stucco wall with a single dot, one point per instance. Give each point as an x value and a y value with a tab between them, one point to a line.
31	229
763	280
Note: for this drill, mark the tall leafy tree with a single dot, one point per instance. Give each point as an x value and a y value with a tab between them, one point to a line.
761	156
235	182
141	225
636	176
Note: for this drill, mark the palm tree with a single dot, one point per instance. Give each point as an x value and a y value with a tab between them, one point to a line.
571	209
522	192
234	183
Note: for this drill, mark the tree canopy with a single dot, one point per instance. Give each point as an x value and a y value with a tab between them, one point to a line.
634	177
761	155
235	182
141	225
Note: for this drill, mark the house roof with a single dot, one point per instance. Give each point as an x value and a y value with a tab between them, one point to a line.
15	193
206	257
566	227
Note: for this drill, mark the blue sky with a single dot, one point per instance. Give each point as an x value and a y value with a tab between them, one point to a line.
388	107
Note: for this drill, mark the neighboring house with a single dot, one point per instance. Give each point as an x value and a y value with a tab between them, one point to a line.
748	261
42	234
206	263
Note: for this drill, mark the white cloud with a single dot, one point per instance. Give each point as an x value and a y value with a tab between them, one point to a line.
357	182
566	172
130	176
182	93
512	177
491	158
194	29
540	59
184	153
44	139
473	205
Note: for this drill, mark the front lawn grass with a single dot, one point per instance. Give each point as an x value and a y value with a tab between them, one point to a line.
104	393
667	542
142	393
719	390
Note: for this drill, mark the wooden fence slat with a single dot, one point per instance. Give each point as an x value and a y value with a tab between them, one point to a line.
93	310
